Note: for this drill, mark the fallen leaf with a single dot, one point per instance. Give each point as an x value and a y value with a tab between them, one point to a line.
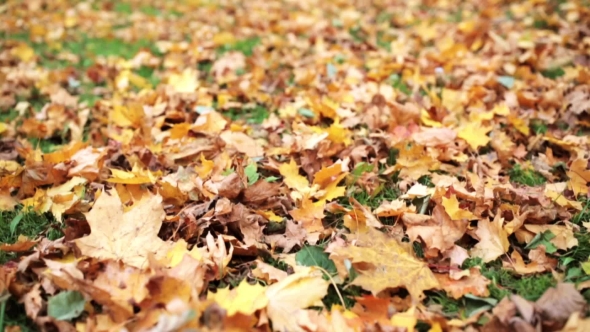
385	264
493	239
289	298
438	232
474	283
560	302
245	298
564	235
123	236
454	211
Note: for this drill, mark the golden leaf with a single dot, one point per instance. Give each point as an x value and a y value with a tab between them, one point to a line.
386	264
452	207
475	135
292	179
245	298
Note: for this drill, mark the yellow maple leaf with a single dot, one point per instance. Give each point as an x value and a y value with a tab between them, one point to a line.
493	239
58	199
128	237
24	52
520	124
223	38
579	176
292	179
386	265
310	215
132	115
360	219
245	298
136	176
288	298
454	211
475	135
406	320
186	82
211	123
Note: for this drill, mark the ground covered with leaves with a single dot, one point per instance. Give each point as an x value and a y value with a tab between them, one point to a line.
295	165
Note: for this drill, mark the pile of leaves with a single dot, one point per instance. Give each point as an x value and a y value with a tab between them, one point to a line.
294	165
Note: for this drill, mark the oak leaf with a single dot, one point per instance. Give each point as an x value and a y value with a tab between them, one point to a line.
129	237
386	264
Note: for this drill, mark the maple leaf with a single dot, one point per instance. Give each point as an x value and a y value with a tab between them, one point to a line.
475	135
493	239
125	284
564	234
243	143
519	266
292	179
288	298
310	215
294	235
438	232
245	298
186	82
268	272
126	236
360	218
452	207
386	264
472	282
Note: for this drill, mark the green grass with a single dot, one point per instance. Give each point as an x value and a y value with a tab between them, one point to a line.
396	82
504	282
245	46
426	180
385	192
553	73
14	315
87	48
584	215
449	305
526	177
26	223
538	126
254	115
31	225
123	8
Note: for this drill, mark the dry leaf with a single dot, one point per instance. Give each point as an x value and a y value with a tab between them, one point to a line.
385	264
124	236
493	239
288	299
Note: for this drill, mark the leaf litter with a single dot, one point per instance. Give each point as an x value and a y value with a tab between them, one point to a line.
294	166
